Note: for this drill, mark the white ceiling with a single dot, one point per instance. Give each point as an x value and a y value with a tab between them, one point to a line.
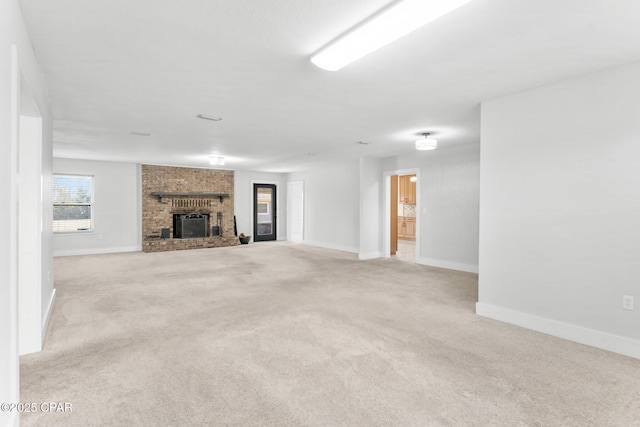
151	66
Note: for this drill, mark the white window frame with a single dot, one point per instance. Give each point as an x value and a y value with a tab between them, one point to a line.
90	204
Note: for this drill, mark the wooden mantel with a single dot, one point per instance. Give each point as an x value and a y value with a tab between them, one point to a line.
161	194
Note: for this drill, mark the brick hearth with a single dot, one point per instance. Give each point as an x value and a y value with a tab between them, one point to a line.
190	184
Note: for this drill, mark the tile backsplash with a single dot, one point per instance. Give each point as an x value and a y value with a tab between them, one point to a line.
409	210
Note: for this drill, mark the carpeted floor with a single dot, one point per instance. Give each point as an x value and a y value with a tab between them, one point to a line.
282	334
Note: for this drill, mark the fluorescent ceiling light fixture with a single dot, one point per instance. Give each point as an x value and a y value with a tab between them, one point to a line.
413	178
133	132
426	143
389	25
216	161
205	117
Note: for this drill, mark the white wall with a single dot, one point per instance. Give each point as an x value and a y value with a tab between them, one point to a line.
116	209
30	206
560	209
243	200
331	205
371	205
295	211
17	65
449	190
47	297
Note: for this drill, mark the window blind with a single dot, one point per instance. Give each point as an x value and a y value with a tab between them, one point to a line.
72	203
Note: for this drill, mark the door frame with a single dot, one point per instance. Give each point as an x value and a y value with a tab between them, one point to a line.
386	236
393	215
251	207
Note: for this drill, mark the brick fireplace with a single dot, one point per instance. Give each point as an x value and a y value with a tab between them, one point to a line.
203	197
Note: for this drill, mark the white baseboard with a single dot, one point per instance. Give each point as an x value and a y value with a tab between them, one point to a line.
467	268
331	246
590	337
95	251
370	255
45	322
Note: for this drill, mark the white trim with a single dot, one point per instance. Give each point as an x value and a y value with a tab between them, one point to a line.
96	251
370	255
45	322
450	265
590	337
386	218
331	246
218	168
76	233
139	200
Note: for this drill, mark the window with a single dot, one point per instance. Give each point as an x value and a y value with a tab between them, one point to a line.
72	203
263	208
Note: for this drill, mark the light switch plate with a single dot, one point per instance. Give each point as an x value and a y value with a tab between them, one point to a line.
627	302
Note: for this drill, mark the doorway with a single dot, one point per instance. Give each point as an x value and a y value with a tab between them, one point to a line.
264	212
402	216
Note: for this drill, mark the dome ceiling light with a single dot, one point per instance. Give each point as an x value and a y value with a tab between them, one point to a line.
426	143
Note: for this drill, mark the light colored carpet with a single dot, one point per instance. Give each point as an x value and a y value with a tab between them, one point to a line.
282	334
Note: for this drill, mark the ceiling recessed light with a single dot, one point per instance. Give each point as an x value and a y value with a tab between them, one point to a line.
393	23
205	117
133	132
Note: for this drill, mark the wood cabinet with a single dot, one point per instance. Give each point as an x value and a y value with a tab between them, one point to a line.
410	230
407	193
406	228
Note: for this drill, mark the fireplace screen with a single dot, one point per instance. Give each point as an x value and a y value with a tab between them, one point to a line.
188	226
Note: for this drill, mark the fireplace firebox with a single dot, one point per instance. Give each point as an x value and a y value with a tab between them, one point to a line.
189	226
